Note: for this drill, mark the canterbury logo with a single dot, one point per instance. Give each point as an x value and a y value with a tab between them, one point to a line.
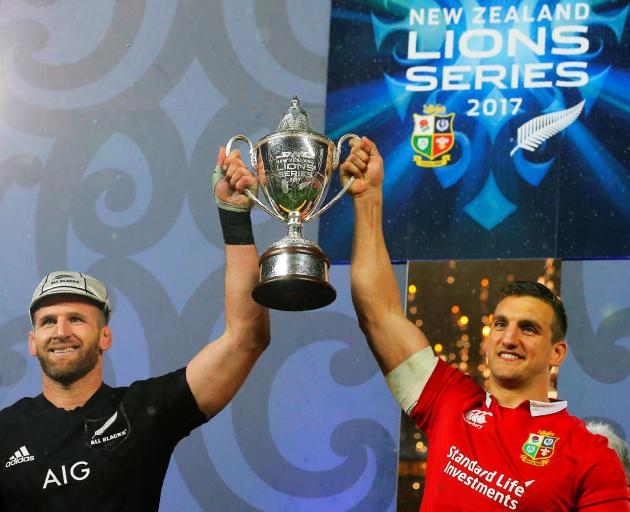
477	418
19	456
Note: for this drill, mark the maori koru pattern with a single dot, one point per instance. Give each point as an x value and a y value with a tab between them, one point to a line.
111	114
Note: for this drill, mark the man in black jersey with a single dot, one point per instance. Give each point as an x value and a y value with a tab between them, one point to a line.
82	445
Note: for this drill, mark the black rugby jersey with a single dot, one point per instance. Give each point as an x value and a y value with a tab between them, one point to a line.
109	455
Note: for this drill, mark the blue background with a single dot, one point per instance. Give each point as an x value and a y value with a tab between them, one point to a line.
111	114
569	199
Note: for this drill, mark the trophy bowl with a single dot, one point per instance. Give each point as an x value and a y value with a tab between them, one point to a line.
294	166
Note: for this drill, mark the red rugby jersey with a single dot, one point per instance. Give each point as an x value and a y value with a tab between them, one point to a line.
535	457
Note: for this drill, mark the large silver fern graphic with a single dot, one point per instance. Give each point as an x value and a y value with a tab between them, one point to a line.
536	131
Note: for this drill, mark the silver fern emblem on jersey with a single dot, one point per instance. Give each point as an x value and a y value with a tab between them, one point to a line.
536	131
107	424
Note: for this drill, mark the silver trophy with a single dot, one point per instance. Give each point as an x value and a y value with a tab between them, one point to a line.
294	166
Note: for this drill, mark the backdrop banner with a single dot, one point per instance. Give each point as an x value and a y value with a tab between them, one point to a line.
500	124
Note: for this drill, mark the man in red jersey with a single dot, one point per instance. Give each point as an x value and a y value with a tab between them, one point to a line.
511	448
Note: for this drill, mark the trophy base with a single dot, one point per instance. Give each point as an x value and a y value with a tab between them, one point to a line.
294	293
294	277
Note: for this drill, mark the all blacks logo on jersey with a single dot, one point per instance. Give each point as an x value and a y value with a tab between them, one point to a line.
107	433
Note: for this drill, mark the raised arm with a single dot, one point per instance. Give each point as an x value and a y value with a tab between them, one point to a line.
217	372
391	337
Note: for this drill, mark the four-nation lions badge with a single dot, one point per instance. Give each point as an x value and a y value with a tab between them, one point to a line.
433	136
539	448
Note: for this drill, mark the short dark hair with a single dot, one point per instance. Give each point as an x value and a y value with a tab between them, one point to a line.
540	292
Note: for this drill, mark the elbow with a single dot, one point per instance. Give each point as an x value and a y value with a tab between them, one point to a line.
257	337
254	336
368	323
372	314
263	340
263	332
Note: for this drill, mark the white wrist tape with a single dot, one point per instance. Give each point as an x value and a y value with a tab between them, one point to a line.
408	379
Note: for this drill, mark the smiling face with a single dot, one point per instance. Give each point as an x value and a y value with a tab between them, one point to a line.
68	337
520	348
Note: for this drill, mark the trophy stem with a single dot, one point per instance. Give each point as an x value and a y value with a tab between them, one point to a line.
294	225
294	272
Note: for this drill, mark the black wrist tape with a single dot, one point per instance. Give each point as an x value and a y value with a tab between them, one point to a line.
236	227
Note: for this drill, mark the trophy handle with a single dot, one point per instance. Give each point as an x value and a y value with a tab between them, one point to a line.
347	185
244	138
254	162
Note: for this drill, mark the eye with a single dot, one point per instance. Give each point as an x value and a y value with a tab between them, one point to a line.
498	324
46	322
76	319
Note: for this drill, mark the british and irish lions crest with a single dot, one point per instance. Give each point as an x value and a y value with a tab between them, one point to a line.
539	448
294	166
433	136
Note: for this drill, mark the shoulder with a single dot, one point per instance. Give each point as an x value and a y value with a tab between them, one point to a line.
24	407
162	389
167	399
171	378
576	427
448	391
592	448
451	377
601	474
152	382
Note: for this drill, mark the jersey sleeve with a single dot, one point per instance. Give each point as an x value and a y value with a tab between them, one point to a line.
603	485
408	379
446	388
173	403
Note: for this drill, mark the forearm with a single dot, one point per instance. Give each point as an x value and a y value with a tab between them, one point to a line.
246	321
375	293
374	288
217	372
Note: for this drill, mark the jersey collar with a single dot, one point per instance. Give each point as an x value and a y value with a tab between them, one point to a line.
537	408
46	405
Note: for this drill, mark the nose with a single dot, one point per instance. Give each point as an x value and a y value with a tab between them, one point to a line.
509	335
62	328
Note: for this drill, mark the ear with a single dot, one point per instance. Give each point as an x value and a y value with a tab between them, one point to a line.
559	352
32	348
105	341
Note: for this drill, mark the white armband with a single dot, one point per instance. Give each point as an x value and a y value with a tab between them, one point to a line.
408	379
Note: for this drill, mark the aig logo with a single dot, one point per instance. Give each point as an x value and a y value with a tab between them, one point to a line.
78	471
